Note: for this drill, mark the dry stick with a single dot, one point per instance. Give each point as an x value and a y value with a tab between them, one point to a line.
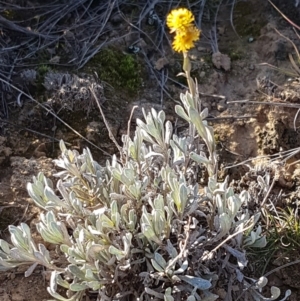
14	27
183	248
291	153
111	136
262	207
58	118
294	63
288	72
280	104
229	117
224	241
128	130
284	16
289	40
32	131
199	21
295	119
143	32
231	18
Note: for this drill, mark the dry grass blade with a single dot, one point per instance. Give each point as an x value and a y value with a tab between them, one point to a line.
294	64
111	136
231	18
296	49
284	16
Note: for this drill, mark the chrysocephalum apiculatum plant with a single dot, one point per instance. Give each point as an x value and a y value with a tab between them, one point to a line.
141	227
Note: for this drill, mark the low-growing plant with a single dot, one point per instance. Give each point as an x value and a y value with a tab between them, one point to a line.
141	227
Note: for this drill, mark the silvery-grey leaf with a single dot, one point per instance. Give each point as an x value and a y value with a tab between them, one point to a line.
199	159
210	296
286	295
148	232
183	267
53	284
30	269
44	252
168	132
62	282
275	293
76	271
168	296
42	260
77	287
152	154
198	282
180	111
210	139
161	116
20	255
35	196
204	113
259	243
118	253
160	260
197	121
94	285
62	146
4	246
154	293
156	266
94	250
90	276
4	265
240	256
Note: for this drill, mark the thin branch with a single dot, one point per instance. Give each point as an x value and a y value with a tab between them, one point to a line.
53	114
111	136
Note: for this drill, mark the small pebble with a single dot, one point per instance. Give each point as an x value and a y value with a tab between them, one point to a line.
251	67
202	74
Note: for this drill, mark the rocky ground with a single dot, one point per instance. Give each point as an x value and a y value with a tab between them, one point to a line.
246	63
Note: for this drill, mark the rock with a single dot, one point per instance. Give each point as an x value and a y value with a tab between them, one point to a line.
161	63
222	106
221	30
221	60
251	67
142	44
202	74
93	131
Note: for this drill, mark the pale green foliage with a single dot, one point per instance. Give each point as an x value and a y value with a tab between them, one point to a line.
140	226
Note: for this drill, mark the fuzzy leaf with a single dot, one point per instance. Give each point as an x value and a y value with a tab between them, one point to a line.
180	111
197	282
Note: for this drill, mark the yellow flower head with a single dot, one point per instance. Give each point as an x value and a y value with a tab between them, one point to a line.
184	40
179	19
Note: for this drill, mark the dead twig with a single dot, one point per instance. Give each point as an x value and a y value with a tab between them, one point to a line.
53	114
111	136
284	16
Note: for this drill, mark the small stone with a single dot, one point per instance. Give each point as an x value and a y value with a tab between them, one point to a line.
142	44
251	67
221	30
16	297
202	49
161	63
221	60
250	39
202	74
222	106
116	19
